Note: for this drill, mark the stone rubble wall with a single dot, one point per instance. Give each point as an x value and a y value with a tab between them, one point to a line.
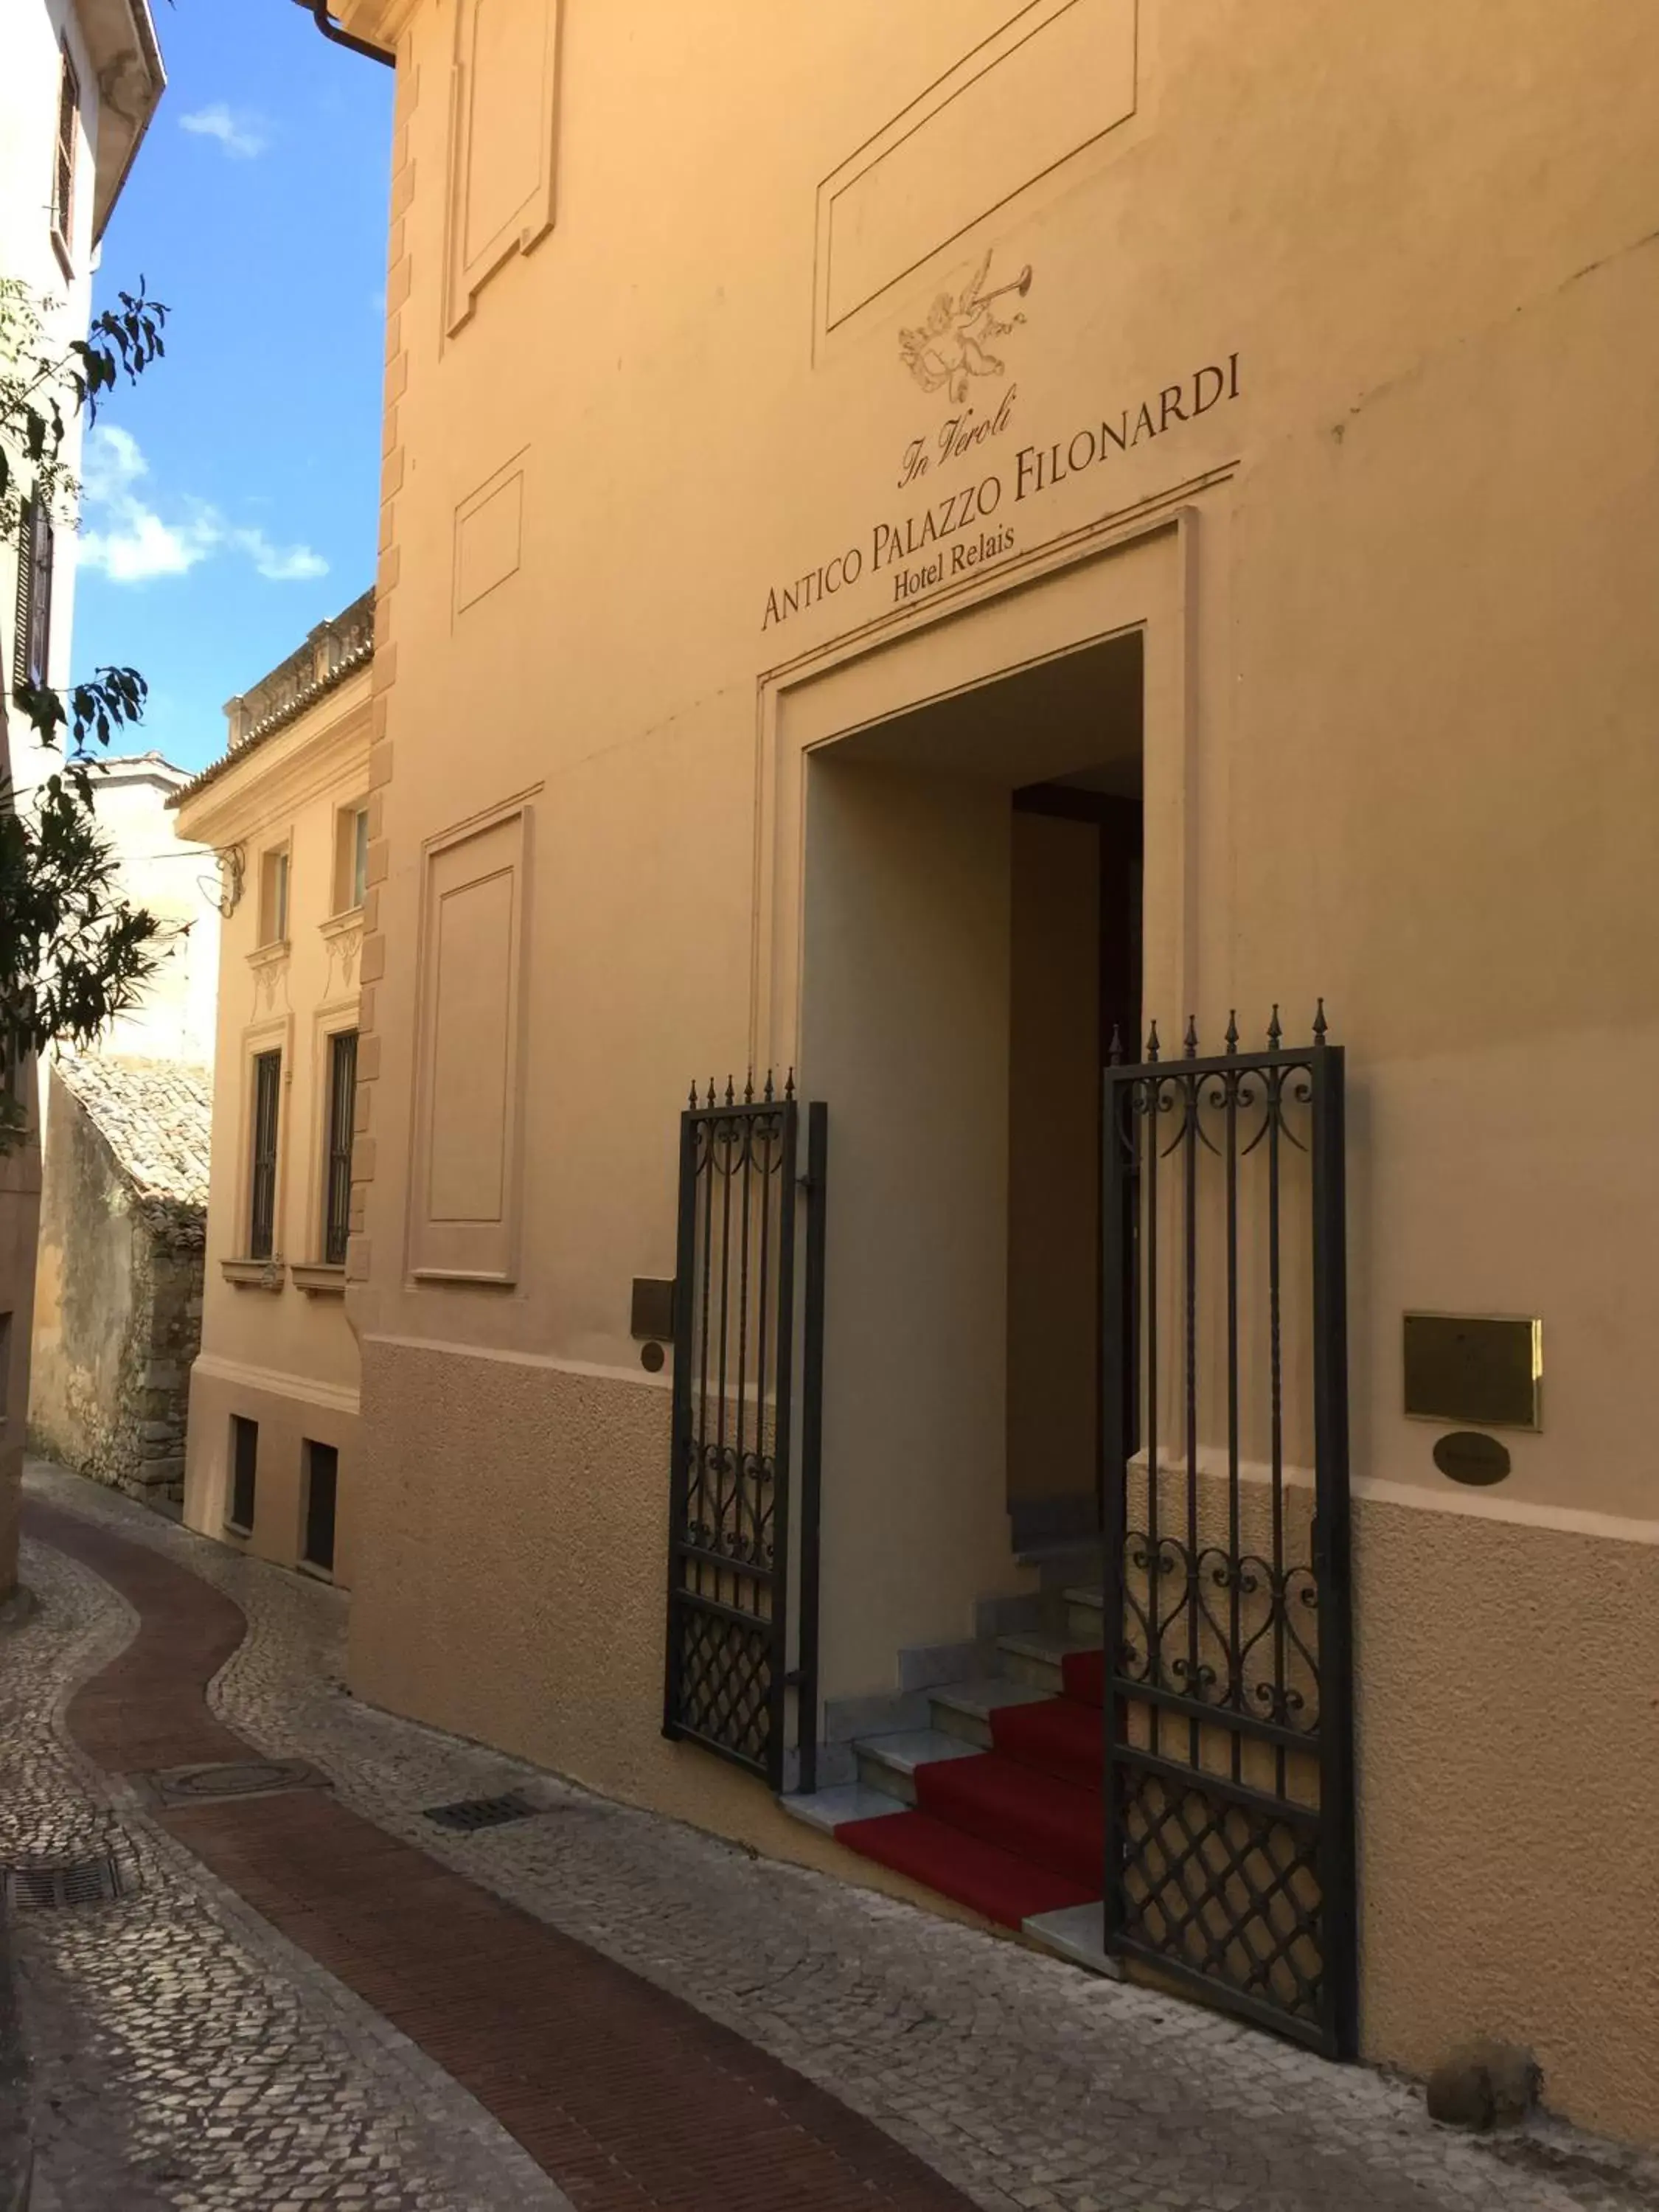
119	1316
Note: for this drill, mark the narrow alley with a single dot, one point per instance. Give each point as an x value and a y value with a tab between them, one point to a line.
311	1993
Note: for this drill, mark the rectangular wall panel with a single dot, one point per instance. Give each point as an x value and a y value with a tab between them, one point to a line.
1056	78
463	1194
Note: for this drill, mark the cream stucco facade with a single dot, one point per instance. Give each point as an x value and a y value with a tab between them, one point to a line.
80	83
1298	491
277	1368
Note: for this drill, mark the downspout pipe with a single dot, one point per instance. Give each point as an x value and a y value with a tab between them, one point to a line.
319	15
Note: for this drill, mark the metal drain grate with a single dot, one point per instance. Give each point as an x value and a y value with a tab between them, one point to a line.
70	1882
481	1812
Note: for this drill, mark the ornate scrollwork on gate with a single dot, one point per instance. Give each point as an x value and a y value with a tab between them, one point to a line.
1230	1860
734	1320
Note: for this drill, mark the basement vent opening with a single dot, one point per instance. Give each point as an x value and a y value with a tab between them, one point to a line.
70	1881
481	1812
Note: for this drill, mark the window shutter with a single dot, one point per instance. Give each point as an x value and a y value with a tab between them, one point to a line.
37	636
20	635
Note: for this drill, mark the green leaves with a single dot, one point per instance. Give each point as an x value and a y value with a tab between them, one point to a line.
92	713
130	334
73	952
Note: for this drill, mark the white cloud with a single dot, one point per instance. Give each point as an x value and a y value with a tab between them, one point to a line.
111	463
141	545
241	137
282	564
127	537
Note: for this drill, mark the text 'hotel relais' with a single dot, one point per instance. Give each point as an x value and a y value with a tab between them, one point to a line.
1058	604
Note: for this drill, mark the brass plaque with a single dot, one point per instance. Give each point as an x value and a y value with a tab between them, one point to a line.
1484	1371
654	1307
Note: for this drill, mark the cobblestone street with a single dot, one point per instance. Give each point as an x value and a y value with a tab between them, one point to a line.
214	2039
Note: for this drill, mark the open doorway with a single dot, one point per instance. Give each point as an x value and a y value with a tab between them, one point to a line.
973	937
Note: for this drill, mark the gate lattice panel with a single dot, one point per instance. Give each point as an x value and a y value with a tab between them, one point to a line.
728	1571
1229	1704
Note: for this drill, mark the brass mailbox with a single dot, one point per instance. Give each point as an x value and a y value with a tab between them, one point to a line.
1481	1370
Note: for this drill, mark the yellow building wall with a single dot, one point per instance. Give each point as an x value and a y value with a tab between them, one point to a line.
1384	286
273	1351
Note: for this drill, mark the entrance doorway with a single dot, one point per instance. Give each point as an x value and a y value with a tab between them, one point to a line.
1074	997
972	939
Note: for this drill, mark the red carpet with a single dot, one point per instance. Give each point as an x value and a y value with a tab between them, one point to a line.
1004	1888
1085	1677
1060	1737
1018	1830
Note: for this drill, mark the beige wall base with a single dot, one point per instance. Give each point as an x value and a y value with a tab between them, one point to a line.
1508	1838
520	1602
290	1411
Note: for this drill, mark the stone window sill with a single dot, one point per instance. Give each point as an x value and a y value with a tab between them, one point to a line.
253	1275
318	1281
337	924
267	955
317	1574
235	1528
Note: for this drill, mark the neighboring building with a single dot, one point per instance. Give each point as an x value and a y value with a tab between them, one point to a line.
80	83
1012	522
117	1433
178	884
273	1393
117	1309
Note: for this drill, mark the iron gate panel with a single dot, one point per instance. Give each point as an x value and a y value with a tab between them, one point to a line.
1228	1681
727	1672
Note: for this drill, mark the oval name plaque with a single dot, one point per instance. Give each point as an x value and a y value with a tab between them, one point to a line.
1467	1457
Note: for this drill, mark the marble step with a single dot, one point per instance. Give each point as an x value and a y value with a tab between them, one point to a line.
1036	1661
889	1762
1085	1614
964	1708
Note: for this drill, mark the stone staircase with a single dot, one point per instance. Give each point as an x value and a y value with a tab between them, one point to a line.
986	1788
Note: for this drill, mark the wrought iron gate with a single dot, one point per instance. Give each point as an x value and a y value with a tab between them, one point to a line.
1228	1693
741	1675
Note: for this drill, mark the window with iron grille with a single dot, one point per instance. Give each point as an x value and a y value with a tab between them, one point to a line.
34	633
63	180
262	1209
243	1466
342	1104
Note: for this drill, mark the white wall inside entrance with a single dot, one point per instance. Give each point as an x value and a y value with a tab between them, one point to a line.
905	1029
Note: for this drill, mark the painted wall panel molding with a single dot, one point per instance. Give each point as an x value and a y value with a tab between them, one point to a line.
503	124
489	532
1052	81
464	1188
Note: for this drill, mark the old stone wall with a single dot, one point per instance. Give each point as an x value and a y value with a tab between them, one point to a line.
118	1314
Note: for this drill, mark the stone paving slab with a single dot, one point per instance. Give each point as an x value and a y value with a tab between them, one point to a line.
1024	2081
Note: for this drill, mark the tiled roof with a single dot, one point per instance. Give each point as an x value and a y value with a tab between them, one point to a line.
156	1117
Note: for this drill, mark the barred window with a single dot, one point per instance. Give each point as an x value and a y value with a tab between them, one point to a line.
341	1106
262	1210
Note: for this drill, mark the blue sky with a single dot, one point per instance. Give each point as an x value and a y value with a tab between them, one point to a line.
232	494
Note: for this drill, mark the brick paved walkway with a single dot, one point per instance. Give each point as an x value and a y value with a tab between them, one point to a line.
627	2097
1028	2086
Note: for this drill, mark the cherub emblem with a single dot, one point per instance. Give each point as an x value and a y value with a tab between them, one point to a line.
950	347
